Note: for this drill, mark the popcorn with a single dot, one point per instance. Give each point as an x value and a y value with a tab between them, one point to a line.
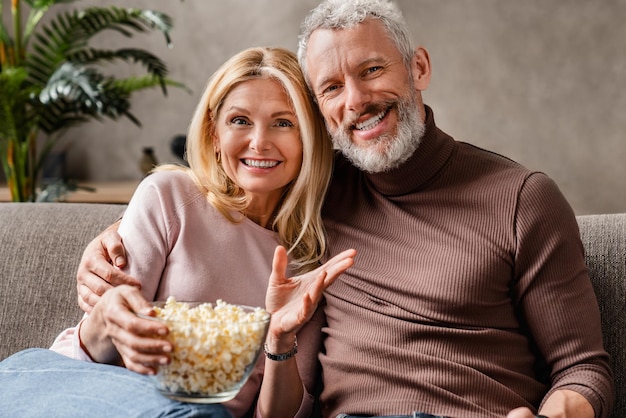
215	347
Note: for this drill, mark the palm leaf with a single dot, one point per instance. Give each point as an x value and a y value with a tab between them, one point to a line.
38	9
76	92
59	115
131	84
69	33
154	65
45	4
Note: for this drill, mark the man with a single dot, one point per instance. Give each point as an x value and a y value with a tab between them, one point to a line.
470	297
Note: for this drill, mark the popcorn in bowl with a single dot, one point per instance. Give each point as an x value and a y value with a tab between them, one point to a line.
215	349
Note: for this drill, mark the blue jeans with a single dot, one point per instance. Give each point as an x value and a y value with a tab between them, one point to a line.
413	415
39	382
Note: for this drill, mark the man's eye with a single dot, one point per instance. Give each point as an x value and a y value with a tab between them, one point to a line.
330	89
374	69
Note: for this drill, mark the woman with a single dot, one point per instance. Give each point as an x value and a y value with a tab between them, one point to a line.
259	161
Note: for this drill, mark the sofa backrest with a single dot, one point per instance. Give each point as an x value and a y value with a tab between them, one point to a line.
604	238
40	247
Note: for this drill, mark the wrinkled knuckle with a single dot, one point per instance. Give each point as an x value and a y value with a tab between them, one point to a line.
92	299
99	289
106	275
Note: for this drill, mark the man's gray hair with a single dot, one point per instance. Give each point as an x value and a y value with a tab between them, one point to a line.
342	14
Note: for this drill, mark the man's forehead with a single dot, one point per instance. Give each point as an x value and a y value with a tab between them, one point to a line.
353	46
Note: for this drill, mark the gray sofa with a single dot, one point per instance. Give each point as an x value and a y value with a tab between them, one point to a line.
41	245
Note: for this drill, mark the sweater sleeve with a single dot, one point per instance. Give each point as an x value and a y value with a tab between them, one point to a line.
68	343
555	297
145	230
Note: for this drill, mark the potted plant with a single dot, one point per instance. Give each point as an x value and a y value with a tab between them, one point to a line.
52	79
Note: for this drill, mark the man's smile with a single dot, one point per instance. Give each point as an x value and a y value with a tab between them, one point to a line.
371	122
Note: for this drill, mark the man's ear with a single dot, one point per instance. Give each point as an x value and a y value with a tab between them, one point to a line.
420	68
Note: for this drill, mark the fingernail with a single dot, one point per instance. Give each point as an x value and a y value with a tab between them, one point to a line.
119	261
167	349
163	361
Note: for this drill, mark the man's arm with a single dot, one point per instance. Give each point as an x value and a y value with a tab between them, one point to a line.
556	300
99	268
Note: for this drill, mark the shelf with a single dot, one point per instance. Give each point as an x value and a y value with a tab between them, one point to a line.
105	192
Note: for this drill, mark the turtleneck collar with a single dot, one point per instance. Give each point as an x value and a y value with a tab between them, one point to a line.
431	155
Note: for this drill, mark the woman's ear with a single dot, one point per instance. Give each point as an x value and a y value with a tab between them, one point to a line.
420	68
216	143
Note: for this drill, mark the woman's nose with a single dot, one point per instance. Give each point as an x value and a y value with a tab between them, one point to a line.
259	139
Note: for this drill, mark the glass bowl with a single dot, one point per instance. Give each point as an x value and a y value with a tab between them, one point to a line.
215	349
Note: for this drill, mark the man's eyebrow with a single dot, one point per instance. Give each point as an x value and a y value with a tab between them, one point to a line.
373	60
377	60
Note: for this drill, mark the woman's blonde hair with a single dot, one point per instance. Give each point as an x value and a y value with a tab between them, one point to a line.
298	222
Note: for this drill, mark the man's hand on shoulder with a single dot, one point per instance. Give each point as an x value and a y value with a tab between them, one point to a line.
99	268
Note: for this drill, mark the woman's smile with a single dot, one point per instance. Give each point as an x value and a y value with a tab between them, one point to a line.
264	164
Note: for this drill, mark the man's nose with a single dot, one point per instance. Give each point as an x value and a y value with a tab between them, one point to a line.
357	96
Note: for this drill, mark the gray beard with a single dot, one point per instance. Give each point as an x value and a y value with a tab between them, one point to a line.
387	151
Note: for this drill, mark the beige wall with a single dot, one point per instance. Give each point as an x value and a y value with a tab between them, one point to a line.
541	82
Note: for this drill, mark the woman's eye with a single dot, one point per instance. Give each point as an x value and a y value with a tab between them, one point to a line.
284	124
239	121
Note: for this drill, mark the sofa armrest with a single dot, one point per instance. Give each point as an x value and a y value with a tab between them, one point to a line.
604	239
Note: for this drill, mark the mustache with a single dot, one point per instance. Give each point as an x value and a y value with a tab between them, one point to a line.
352	117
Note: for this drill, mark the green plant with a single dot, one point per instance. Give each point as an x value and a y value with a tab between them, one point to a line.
51	79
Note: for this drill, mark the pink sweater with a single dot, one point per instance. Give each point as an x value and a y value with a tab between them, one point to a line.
469	295
179	245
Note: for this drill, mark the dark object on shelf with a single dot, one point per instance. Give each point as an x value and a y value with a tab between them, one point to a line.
53	168
148	160
178	146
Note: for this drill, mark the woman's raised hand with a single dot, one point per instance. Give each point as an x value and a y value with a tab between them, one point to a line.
292	301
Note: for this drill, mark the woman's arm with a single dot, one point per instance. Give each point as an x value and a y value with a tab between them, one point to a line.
292	302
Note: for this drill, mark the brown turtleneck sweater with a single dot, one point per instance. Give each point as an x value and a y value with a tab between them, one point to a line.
469	296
